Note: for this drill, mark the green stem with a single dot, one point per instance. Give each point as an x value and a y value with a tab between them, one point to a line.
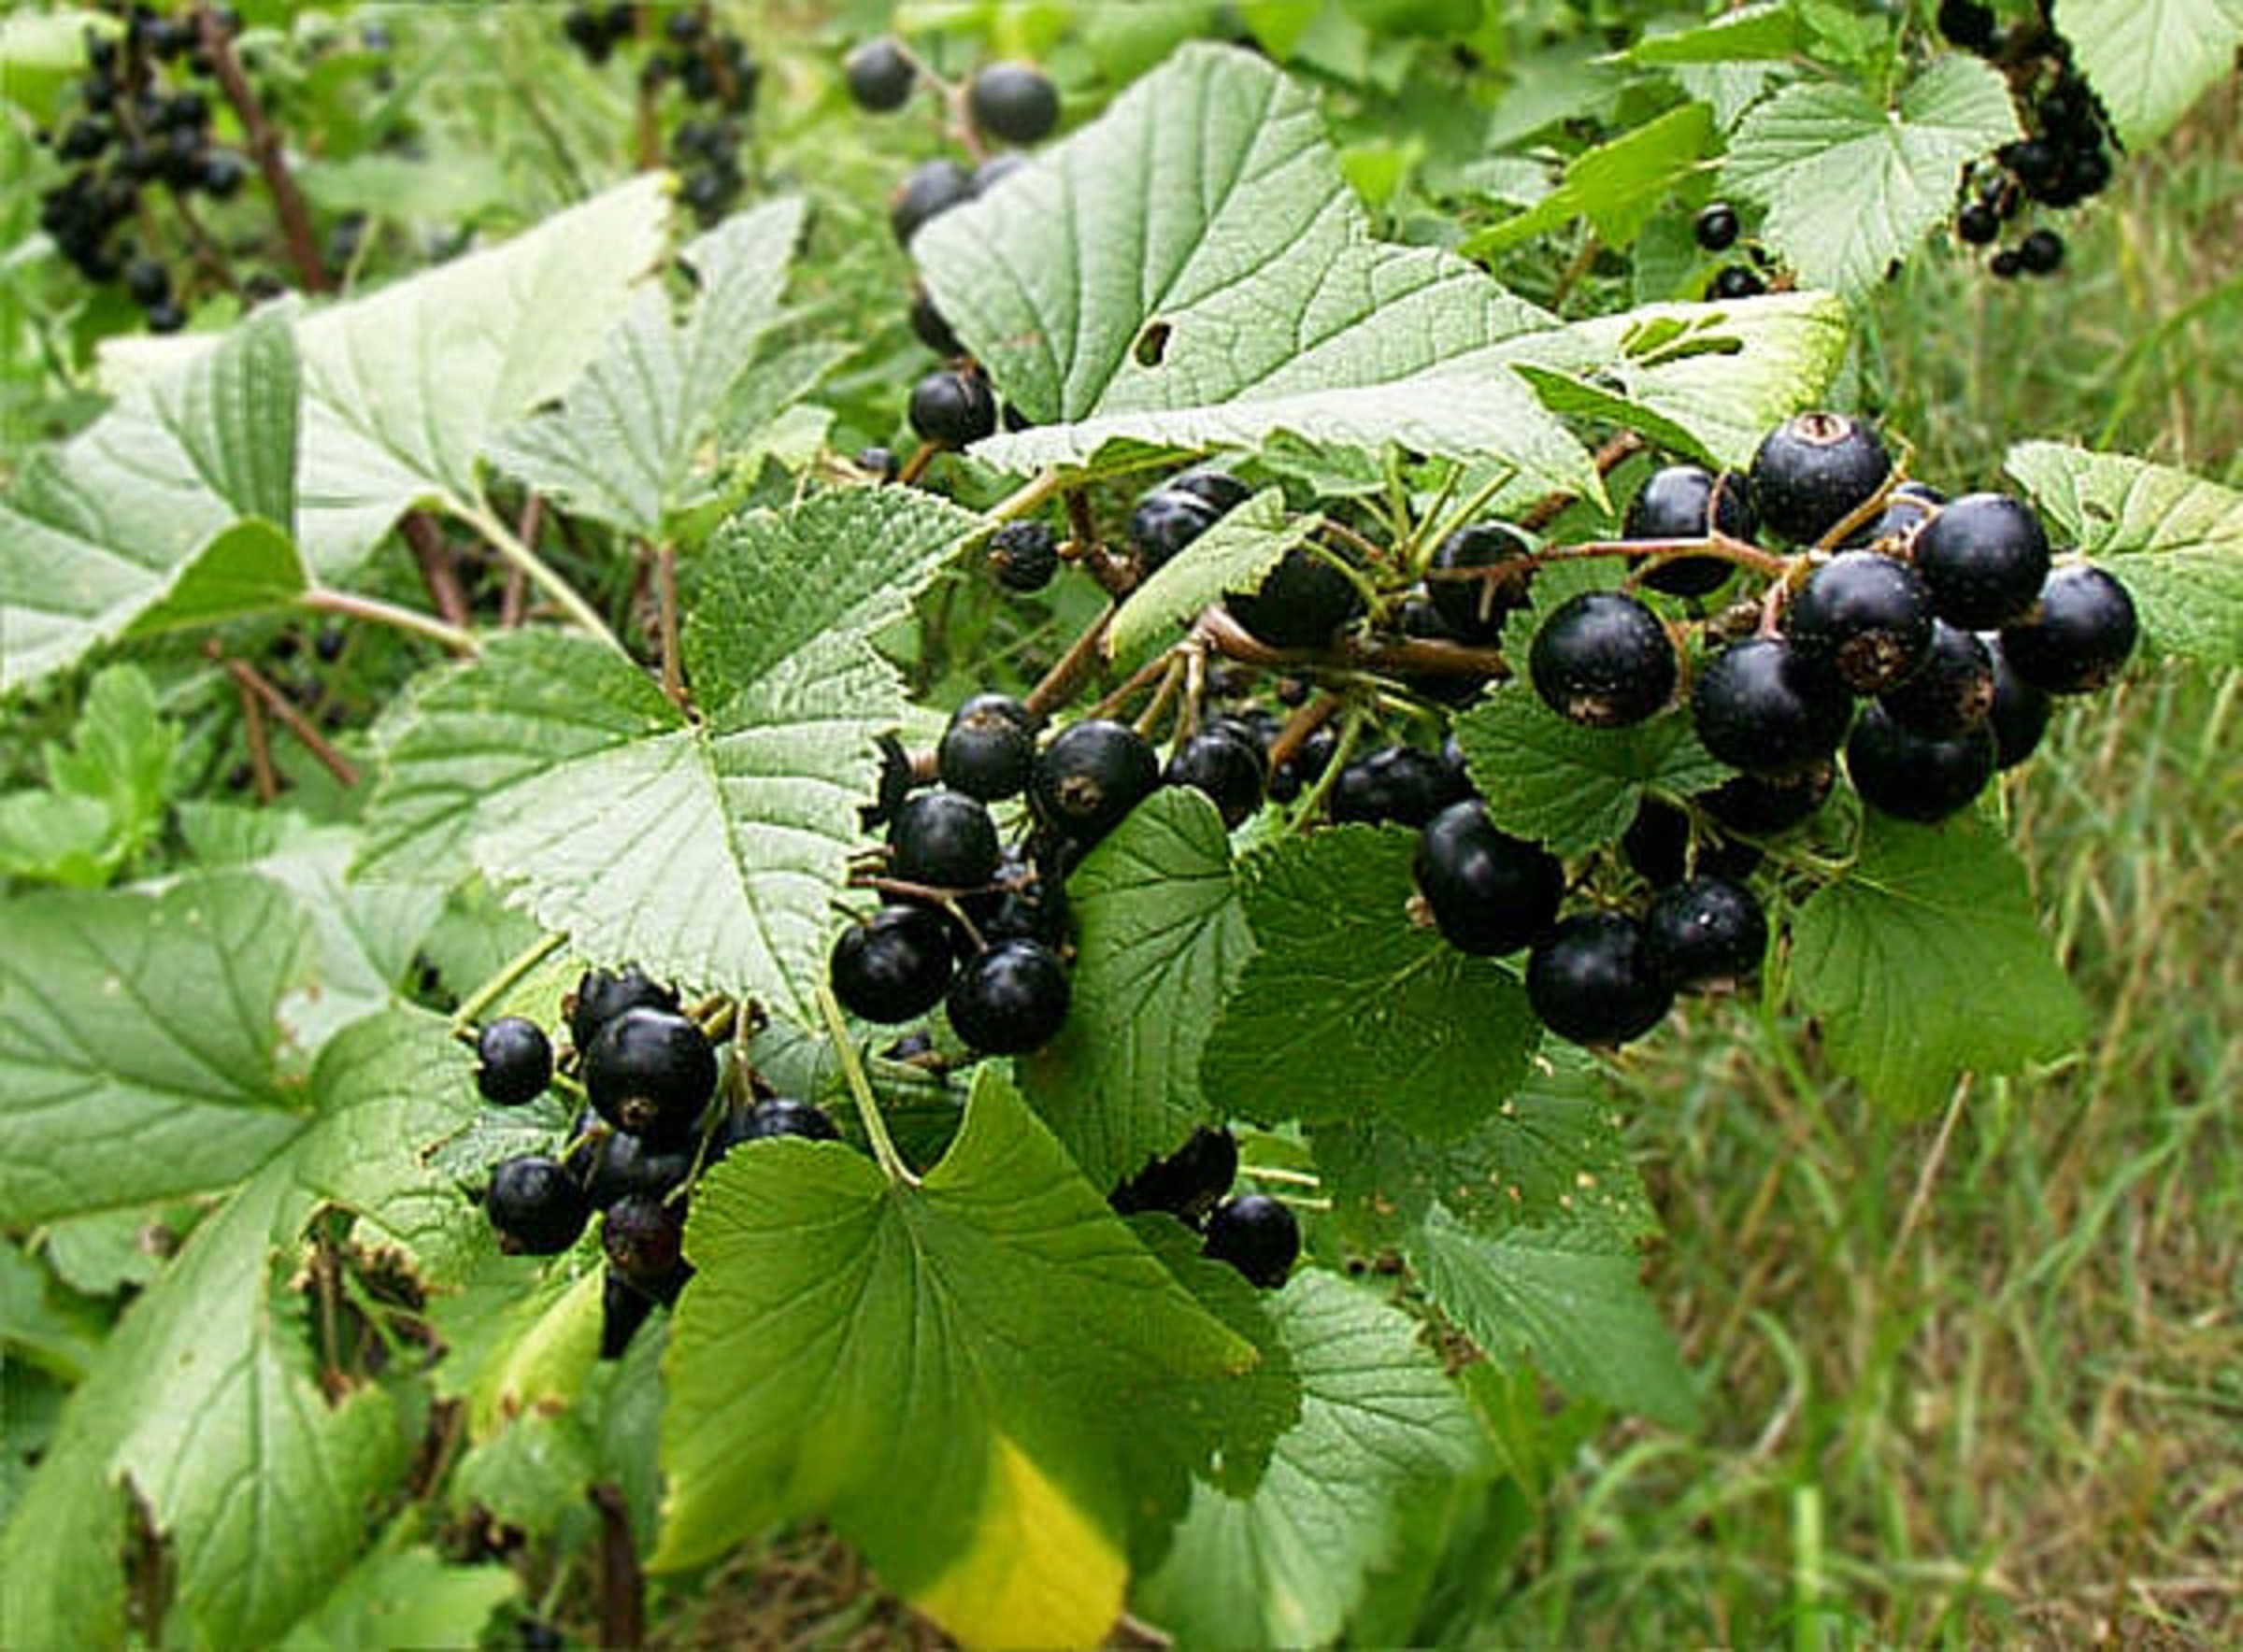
565	597
1019	503
349	605
511	975
860	1091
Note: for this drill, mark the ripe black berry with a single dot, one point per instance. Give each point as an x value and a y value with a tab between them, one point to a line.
1257	1235
944	840
928	323
1761	707
1764	806
2021	711
1010	999
2041	252
1604	661
928	191
1397	783
1164	521
621	1165
987	749
893	967
1594	981
1024	555
600	997
644	1237
1188	1183
1733	282
1985	557
1813	472
1951	692
953	407
1230	769
2078	637
1015	103
1978	223
651	1072
1678	502
516	1061
1716	227
1706	932
1865	616
2005	264
1894	529
148	281
1086	780
881	75
623	1308
1489	892
536	1206
778	1116
1967	23
1472	605
1220	490
1300	603
1657	844
1916	778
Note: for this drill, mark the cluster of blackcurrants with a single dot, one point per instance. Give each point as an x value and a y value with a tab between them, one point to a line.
2064	158
136	127
712	67
1005	103
1254	1234
1717	229
650	1074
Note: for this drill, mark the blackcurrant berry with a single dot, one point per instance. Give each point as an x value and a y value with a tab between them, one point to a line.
2079	635
1977	223
778	1116
2021	712
1603	659
1716	227
515	1061
623	1165
168	316
1865	616
1024	555
996	169
1230	770
1593	982
1009	1000
1967	23
1489	892
1763	805
1678	502
1657	844
928	323
1813	472
1472	602
1163	522
1705	932
1398	783
1761	707
987	749
644	1237
1300	602
1220	490
148	281
623	1308
651	1072
1902	773
1188	1183
1257	1235
1092	776
881	462
953	408
1733	282
2005	264
1894	529
943	840
2041	252
600	997
893	967
1015	103
1951	692
1985	557
928	191
536	1206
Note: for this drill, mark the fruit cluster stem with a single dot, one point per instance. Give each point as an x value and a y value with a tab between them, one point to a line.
265	148
860	1091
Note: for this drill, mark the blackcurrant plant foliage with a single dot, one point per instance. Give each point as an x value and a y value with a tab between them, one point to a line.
918	1316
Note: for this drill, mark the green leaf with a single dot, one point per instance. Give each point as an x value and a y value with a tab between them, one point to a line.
2150	63
1348	1008
405	1597
1850	186
110	789
987	1339
1571	788
42	53
1236	554
1751	33
1926	961
1617	185
1239	296
623	444
2174	539
1161	938
1569	1303
205	1399
170	510
1380	1427
706	850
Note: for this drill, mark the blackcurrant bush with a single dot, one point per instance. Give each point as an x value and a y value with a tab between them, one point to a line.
1593	982
1257	1235
1812	472
988	749
644	1237
1603	659
2020	715
1951	692
1985	557
1398	783
621	1165
1865	616
2077	635
1230	769
1705	932
1902	773
1300	602
928	191
1188	1183
953	407
1472	602
778	1116
600	997
1092	776
1024	555
536	1206
893	967
1009	1000
1678	502
651	1072
1761	707
1489	892
1764	806
515	1061
1163	522
1716	227
623	1308
1015	103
